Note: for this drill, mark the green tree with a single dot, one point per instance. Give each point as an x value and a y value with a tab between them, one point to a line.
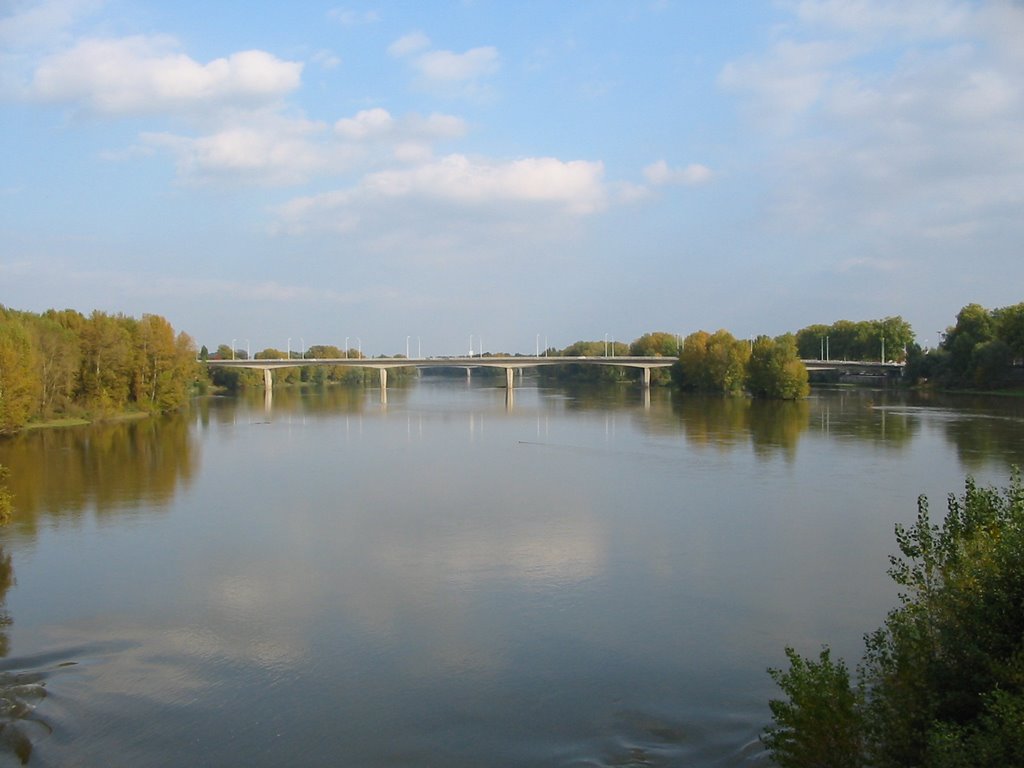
657	343
973	327
714	362
942	681
1009	322
775	371
819	724
810	342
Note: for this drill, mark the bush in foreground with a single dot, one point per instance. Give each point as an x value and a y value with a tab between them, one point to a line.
941	683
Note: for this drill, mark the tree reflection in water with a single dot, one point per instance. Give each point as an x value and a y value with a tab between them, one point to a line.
20	692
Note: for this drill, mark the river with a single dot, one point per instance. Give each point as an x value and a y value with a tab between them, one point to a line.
578	578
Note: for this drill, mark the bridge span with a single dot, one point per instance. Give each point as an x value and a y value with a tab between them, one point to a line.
510	364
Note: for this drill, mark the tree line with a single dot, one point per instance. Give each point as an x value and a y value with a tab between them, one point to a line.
705	362
234	379
61	363
984	349
886	340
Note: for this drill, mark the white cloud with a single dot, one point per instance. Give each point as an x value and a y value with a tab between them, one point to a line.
349	18
138	75
33	24
327	59
409	44
267	150
378	123
907	18
660	173
446	71
891	120
438	126
575	186
520	188
366	124
446	66
786	82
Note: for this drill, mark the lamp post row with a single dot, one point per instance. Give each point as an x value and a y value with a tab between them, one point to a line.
609	346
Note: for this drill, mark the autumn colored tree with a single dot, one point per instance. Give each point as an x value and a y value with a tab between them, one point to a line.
62	363
714	362
19	379
775	371
656	343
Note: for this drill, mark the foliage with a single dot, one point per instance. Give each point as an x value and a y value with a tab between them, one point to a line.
942	681
714	362
19	377
863	340
62	363
587	373
657	343
980	351
775	371
819	724
1009	327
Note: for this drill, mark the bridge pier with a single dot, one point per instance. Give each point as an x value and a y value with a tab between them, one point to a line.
268	379
383	379
647	377
510	375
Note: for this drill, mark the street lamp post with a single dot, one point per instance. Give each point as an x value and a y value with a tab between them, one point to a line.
471	345
248	355
536	342
359	347
419	348
406	347
346	347
233	341
289	353
606	345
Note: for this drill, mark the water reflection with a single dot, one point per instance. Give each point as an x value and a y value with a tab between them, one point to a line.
20	692
590	577
104	467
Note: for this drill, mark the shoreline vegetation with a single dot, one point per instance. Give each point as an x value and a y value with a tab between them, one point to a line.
61	368
941	683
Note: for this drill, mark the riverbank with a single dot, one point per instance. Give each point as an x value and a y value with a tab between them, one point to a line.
81	421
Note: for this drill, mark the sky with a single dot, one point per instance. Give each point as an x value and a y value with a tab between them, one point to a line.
510	174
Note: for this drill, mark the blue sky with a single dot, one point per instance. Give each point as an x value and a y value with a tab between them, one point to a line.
569	170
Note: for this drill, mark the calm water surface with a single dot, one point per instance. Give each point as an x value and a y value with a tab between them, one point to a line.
580	579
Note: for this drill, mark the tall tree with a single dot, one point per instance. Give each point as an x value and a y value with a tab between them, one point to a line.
775	371
19	380
714	362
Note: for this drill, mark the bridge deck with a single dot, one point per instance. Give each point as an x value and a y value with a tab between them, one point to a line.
448	362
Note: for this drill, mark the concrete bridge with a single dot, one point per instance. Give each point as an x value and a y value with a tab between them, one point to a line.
510	364
854	368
